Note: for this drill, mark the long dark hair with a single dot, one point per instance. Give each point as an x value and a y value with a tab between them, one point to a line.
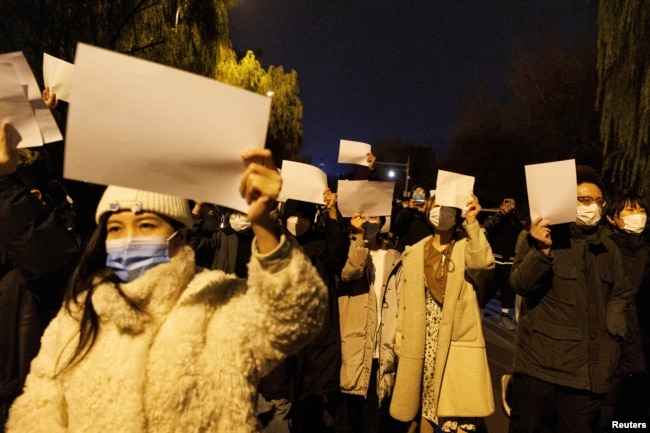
90	271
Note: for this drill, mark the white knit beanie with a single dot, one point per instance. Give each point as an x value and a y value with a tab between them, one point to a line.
118	198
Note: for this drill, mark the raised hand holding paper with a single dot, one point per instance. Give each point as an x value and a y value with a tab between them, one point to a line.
23	105
148	126
58	76
302	182
552	191
354	152
453	189
366	197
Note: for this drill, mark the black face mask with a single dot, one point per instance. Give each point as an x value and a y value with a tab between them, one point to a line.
370	229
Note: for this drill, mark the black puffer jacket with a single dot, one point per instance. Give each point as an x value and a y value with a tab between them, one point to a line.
37	255
575	309
636	255
315	369
502	232
410	226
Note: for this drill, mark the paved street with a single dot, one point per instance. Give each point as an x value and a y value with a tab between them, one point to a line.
499	342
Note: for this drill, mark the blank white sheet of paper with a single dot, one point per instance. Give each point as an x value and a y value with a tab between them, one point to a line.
552	191
143	125
302	182
353	152
369	198
453	189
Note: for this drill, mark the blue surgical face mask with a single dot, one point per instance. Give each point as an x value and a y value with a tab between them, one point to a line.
130	257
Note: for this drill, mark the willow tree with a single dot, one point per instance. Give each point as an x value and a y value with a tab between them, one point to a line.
186	34
284	136
624	91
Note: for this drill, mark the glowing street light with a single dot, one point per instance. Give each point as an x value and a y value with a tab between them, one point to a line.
391	172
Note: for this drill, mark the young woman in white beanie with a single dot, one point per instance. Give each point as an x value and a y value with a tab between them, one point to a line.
146	342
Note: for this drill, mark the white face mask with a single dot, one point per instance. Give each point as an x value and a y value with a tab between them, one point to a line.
588	216
442	218
239	222
297	225
634	223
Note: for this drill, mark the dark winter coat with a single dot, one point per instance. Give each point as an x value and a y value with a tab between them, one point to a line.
502	231
636	254
410	227
37	255
314	370
222	249
575	309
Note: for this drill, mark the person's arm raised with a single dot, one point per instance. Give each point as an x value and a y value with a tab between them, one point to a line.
260	186
49	98
473	209
541	232
8	152
329	198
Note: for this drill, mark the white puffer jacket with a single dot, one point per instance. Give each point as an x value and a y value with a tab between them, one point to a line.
177	351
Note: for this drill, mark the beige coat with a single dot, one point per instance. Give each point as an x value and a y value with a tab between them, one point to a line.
472	259
358	318
177	351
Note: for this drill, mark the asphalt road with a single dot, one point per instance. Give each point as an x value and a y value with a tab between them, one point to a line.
499	343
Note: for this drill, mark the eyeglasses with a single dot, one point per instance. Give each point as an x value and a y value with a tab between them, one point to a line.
587	200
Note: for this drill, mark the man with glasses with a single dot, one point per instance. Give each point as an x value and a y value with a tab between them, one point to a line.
573	317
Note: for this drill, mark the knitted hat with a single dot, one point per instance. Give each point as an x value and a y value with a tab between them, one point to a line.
118	198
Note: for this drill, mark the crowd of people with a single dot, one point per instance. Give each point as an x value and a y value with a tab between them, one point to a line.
181	316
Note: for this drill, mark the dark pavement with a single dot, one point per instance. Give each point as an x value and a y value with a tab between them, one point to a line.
499	343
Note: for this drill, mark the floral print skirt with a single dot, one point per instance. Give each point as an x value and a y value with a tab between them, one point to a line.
433	316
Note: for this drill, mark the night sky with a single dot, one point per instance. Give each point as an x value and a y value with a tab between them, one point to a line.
374	71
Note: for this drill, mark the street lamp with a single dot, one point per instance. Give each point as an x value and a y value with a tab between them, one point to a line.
406	168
